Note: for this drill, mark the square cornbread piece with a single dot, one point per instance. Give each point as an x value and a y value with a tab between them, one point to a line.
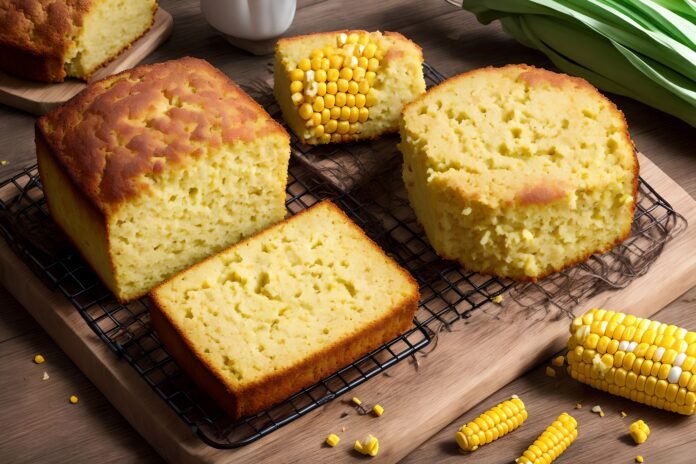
283	309
151	170
519	172
47	40
346	85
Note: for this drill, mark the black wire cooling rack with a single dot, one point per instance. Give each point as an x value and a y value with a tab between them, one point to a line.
448	293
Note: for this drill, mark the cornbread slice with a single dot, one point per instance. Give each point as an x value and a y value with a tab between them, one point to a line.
346	85
156	168
283	309
47	40
517	171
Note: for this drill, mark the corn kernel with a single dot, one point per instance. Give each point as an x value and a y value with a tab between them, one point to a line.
296	86
350	100
319	131
639	431
346	73
335	62
369	51
318	104
378	410
332	75
550	371
38	359
363	86
317	53
354	129
364	113
623	414
305	64
354	114
331	126
329	101
335	138
343	127
352	38
306	111
316	119
370	98
326	138
558	361
598	410
335	112
345	113
74	399
341	39
321	89
331	88
498	299
364	39
362	63
325	115
356	401
368	446
332	440
372	64
316	64
297	98
320	75
370	77
342	85
353	87
578	405
639	459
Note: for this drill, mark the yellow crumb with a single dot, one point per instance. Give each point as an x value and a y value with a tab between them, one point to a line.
550	371
368	446
598	409
498	299
639	458
332	440
45	376
578	405
558	361
4	163
378	410
74	399
623	414
38	359
356	401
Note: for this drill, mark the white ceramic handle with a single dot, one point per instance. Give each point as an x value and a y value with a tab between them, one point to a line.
249	19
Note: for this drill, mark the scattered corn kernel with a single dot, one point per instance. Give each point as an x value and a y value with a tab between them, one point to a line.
578	405
356	401
378	410
368	446
623	414
45	376
639	458
492	424
597	409
38	359
552	442
74	399
558	361
550	371
332	440
498	299
639	431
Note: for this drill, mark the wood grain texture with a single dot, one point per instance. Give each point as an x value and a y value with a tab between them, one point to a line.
453	42
39	97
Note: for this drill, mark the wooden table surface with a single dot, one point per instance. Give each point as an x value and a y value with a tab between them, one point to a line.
40	425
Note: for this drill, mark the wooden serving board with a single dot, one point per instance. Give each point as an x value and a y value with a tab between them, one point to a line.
479	356
40	97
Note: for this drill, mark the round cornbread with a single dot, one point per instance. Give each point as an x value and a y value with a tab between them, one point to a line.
519	172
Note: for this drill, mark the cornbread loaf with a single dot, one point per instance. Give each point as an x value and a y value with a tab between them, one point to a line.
47	40
156	168
283	309
346	85
519	172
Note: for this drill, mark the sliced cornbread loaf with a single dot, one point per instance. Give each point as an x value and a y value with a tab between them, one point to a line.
518	171
283	309
346	85
156	168
47	40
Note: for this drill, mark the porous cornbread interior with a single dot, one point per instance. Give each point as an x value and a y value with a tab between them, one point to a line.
346	85
109	27
154	169
284	308
48	40
518	171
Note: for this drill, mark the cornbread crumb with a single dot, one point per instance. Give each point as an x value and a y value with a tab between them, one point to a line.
38	359
550	371
578	405
285	308
498	299
45	376
558	361
74	399
597	409
623	414
518	172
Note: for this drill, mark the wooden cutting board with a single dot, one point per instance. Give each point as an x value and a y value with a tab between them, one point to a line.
481	354
40	97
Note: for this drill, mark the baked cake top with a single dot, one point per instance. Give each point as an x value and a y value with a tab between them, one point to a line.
116	134
42	26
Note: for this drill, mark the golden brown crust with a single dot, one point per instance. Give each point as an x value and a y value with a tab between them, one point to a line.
280	385
138	123
541	193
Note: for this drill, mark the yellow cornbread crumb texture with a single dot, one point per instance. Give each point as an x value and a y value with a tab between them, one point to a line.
345	86
368	446
38	359
332	440
517	171
277	301
492	424
639	359
639	431
552	442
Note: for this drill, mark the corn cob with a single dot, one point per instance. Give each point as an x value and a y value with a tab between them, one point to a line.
492	424
552	443
643	360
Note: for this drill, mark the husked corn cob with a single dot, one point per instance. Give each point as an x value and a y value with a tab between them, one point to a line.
643	360
552	443
639	431
332	88
492	424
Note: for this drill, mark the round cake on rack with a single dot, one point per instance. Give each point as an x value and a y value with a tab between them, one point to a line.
519	172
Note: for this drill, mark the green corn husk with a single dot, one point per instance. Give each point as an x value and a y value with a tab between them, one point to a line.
643	49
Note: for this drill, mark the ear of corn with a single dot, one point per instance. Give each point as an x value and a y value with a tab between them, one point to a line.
552	443
639	359
332	88
492	424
